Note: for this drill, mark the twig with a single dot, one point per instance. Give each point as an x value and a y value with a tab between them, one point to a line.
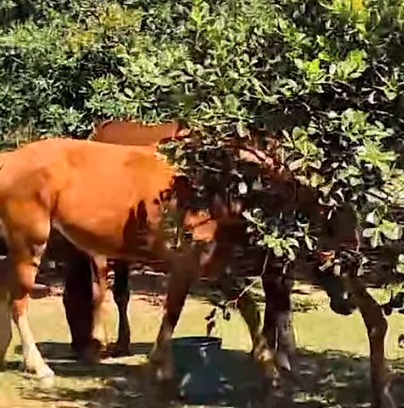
247	288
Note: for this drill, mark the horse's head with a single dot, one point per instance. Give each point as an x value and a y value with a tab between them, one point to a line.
332	271
277	189
282	192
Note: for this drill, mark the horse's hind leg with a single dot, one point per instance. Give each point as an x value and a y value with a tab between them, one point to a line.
27	244
78	303
121	298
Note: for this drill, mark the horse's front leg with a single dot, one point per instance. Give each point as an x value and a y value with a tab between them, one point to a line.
250	312
181	275
278	323
277	319
376	327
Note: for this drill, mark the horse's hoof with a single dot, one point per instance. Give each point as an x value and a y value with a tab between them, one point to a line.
47	382
89	356
118	350
47	379
96	344
161	373
165	385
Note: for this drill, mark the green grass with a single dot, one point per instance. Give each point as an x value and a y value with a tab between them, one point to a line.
333	359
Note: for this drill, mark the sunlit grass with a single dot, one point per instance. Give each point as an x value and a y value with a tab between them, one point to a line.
333	348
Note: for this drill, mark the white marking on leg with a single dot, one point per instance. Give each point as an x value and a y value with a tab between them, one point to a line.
102	296
286	346
5	326
100	329
32	357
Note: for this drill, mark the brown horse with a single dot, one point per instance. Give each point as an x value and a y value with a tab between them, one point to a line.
346	289
66	175
82	307
339	232
115	210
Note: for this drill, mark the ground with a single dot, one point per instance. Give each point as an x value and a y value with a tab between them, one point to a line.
333	357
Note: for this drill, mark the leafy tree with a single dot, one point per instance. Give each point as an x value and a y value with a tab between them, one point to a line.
325	78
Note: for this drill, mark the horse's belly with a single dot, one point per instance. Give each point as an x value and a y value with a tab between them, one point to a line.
114	228
119	243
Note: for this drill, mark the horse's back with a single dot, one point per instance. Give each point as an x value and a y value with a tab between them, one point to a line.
89	191
133	133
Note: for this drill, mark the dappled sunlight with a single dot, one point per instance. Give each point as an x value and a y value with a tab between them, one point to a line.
332	361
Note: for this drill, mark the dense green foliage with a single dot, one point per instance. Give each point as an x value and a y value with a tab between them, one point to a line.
326	77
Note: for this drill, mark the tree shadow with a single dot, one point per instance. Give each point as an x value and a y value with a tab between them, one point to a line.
328	379
126	385
56	352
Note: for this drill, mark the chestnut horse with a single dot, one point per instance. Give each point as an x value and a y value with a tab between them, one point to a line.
82	307
56	182
340	232
109	199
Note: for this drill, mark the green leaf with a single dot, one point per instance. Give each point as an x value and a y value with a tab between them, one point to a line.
369	232
278	251
400	268
390	230
292	242
372	218
375	240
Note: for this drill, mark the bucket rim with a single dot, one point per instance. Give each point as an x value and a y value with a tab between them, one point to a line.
192	341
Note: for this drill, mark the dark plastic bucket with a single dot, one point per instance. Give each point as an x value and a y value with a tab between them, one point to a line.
198	366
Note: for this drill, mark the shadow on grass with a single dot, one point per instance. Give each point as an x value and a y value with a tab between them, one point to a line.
151	287
56	351
329	379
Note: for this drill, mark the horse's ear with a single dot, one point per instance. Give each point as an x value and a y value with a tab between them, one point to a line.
95	127
184	132
98	126
218	208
